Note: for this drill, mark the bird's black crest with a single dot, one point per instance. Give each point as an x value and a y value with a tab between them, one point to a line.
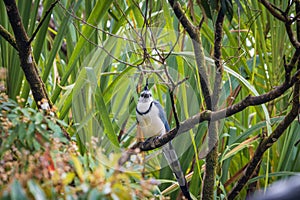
146	86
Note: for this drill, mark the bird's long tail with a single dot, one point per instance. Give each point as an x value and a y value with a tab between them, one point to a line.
171	157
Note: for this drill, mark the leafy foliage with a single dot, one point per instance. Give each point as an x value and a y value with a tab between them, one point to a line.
38	162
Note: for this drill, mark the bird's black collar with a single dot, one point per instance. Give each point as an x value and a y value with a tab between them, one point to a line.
146	112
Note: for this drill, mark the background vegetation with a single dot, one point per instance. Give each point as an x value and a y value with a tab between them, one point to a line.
94	56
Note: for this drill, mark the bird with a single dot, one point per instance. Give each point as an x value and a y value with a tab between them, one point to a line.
152	122
284	189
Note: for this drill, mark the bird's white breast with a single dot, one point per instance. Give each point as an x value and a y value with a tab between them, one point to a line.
150	123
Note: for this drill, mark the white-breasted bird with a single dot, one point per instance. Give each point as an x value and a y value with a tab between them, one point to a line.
152	121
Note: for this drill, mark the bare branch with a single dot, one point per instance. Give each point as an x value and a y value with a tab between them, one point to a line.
289	118
91	25
282	16
174	109
296	18
217	57
195	36
25	55
290	33
27	60
212	156
42	21
266	144
102	47
288	8
273	10
185	22
181	81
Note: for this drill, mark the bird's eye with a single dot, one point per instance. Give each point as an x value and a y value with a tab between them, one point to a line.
142	95
150	95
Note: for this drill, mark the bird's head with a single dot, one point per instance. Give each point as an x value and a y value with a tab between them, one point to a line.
146	95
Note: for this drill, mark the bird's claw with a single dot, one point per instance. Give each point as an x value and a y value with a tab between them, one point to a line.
150	141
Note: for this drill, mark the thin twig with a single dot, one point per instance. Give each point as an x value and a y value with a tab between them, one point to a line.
272	10
92	26
198	51
42	21
181	81
201	23
174	109
173	47
169	77
129	23
287	10
296	18
101	47
8	37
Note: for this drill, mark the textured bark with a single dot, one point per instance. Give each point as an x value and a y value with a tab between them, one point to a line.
212	156
21	43
198	50
8	37
25	55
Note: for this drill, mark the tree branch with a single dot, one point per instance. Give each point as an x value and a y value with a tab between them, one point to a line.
212	156
272	10
198	51
8	37
290	33
208	115
266	144
174	109
269	141
27	61
282	16
42	21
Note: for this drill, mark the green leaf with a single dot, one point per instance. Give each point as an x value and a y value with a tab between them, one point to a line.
54	127
38	118
17	192
254	91
95	194
57	45
275	174
68	178
206	8
104	115
255	128
36	190
97	14
36	144
22	131
78	167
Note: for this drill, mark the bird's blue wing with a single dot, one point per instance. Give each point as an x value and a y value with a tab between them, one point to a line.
171	156
162	115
